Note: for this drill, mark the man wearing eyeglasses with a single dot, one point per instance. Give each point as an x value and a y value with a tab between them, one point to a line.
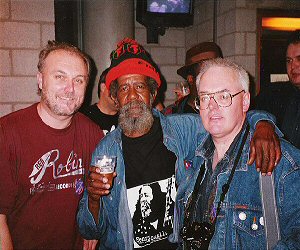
225	204
151	149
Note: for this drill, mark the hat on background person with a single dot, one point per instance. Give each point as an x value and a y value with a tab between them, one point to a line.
131	58
197	54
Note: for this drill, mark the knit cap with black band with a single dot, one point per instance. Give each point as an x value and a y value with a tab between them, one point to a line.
131	58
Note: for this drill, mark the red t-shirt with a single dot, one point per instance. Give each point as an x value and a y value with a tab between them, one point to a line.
41	178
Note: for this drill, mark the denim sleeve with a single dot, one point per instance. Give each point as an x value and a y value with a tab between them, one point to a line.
254	116
187	129
85	220
288	201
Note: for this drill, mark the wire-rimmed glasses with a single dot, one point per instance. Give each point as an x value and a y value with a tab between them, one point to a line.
222	98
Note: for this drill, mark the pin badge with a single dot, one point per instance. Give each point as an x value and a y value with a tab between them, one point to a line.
254	226
242	216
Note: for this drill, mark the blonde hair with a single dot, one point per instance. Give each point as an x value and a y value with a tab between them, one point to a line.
54	46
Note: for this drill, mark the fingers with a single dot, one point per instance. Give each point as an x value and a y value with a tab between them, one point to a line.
265	161
93	244
277	150
252	154
275	154
96	184
89	244
265	148
271	163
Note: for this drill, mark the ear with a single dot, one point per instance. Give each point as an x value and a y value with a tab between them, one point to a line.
246	101
39	78
103	87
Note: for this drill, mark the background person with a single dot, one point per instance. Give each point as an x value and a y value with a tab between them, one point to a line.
150	148
282	99
44	151
105	112
194	57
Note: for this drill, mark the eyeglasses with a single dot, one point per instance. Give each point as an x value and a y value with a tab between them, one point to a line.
222	98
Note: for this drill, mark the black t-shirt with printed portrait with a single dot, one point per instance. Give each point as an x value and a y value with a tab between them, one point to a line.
150	181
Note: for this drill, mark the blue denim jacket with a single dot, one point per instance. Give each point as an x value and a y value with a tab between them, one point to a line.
114	227
182	134
242	206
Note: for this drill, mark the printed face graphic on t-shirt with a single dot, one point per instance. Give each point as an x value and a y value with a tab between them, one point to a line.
146	197
152	208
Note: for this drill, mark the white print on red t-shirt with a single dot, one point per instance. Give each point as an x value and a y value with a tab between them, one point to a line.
73	166
77	184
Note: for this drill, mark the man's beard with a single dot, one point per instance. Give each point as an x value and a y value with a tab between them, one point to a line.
135	117
59	108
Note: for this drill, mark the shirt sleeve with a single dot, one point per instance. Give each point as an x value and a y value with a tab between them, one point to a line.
8	166
88	228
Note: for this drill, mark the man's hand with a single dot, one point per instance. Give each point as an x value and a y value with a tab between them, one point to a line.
96	186
265	148
5	237
89	244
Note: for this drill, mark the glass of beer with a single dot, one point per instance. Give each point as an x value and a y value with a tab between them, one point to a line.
106	165
182	89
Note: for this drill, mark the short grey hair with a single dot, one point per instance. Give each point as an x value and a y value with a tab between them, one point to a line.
242	74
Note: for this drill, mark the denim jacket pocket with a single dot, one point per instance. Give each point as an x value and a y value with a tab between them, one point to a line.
248	228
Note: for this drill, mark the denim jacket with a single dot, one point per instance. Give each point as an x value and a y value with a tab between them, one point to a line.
181	135
242	206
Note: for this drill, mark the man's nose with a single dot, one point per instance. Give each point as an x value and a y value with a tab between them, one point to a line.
212	103
69	85
132	94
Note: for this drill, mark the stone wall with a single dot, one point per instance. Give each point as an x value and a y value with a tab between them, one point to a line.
25	27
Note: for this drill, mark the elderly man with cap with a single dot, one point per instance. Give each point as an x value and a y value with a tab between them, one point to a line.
151	150
193	59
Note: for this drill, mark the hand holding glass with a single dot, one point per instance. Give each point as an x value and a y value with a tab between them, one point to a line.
182	89
106	165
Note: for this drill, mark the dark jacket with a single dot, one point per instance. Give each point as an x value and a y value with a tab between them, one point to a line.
282	99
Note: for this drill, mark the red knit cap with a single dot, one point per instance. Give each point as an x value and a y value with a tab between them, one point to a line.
130	58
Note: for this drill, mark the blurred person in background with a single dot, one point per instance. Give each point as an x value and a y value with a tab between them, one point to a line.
194	58
105	111
282	99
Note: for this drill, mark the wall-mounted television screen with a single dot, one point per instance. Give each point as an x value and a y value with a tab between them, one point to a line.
165	13
169	6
